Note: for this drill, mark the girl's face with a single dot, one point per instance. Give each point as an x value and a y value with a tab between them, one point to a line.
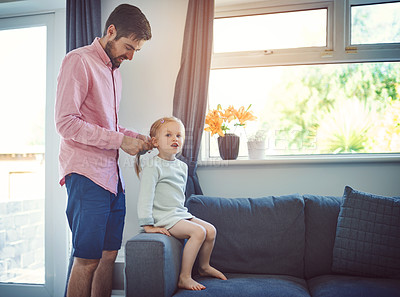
169	140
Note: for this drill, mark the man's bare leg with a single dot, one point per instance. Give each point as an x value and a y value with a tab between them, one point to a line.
102	280
206	249
80	280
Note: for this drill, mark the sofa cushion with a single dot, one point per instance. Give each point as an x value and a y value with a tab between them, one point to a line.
321	214
255	235
368	235
240	285
350	286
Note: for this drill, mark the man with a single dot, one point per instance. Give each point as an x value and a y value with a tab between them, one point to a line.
86	116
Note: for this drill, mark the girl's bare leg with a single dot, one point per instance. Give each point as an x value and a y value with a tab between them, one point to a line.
195	234
206	249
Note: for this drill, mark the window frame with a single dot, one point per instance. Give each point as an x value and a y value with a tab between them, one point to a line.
366	47
56	230
266	11
338	50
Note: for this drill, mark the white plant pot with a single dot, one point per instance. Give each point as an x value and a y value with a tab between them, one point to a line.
256	150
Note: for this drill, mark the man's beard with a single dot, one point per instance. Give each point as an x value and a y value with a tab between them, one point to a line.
114	60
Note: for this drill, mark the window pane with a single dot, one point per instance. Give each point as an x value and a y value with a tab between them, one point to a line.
318	109
22	122
378	23
271	31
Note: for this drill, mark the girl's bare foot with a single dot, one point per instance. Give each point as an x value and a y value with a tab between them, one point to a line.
211	271
189	284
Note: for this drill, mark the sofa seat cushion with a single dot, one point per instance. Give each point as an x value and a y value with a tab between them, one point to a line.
255	235
254	285
352	286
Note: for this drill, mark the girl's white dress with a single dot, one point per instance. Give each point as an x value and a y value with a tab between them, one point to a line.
162	193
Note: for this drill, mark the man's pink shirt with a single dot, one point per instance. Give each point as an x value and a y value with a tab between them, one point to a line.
86	116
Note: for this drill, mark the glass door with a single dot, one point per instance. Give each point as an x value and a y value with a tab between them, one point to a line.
33	239
22	154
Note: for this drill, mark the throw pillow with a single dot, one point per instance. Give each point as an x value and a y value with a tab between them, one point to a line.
367	241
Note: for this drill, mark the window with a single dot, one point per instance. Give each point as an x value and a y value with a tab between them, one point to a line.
334	90
376	23
22	123
303	29
33	231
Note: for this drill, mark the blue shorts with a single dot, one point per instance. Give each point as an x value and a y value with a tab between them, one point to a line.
96	217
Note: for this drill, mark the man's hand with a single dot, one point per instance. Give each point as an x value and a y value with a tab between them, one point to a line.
152	229
133	146
144	138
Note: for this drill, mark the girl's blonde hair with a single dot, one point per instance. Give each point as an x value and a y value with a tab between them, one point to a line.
153	132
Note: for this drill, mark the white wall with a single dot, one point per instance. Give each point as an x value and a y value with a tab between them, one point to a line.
149	83
381	178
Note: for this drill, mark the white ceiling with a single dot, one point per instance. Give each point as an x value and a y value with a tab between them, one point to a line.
21	7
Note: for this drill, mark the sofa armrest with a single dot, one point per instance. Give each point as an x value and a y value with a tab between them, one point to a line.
152	265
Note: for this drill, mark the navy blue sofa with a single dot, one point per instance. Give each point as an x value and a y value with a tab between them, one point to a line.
268	246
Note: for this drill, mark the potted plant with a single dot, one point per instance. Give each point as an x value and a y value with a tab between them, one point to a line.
219	120
256	145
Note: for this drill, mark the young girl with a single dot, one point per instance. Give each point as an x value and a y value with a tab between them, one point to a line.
161	202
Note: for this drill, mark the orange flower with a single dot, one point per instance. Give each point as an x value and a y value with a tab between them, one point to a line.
217	119
244	115
229	114
214	122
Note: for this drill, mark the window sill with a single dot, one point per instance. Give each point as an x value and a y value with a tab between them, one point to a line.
303	159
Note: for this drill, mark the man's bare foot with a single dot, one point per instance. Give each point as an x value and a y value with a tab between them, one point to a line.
211	271
189	284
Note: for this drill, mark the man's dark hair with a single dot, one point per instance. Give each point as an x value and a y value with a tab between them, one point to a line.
129	22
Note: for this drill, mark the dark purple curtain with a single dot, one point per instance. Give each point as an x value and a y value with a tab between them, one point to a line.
83	22
191	88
